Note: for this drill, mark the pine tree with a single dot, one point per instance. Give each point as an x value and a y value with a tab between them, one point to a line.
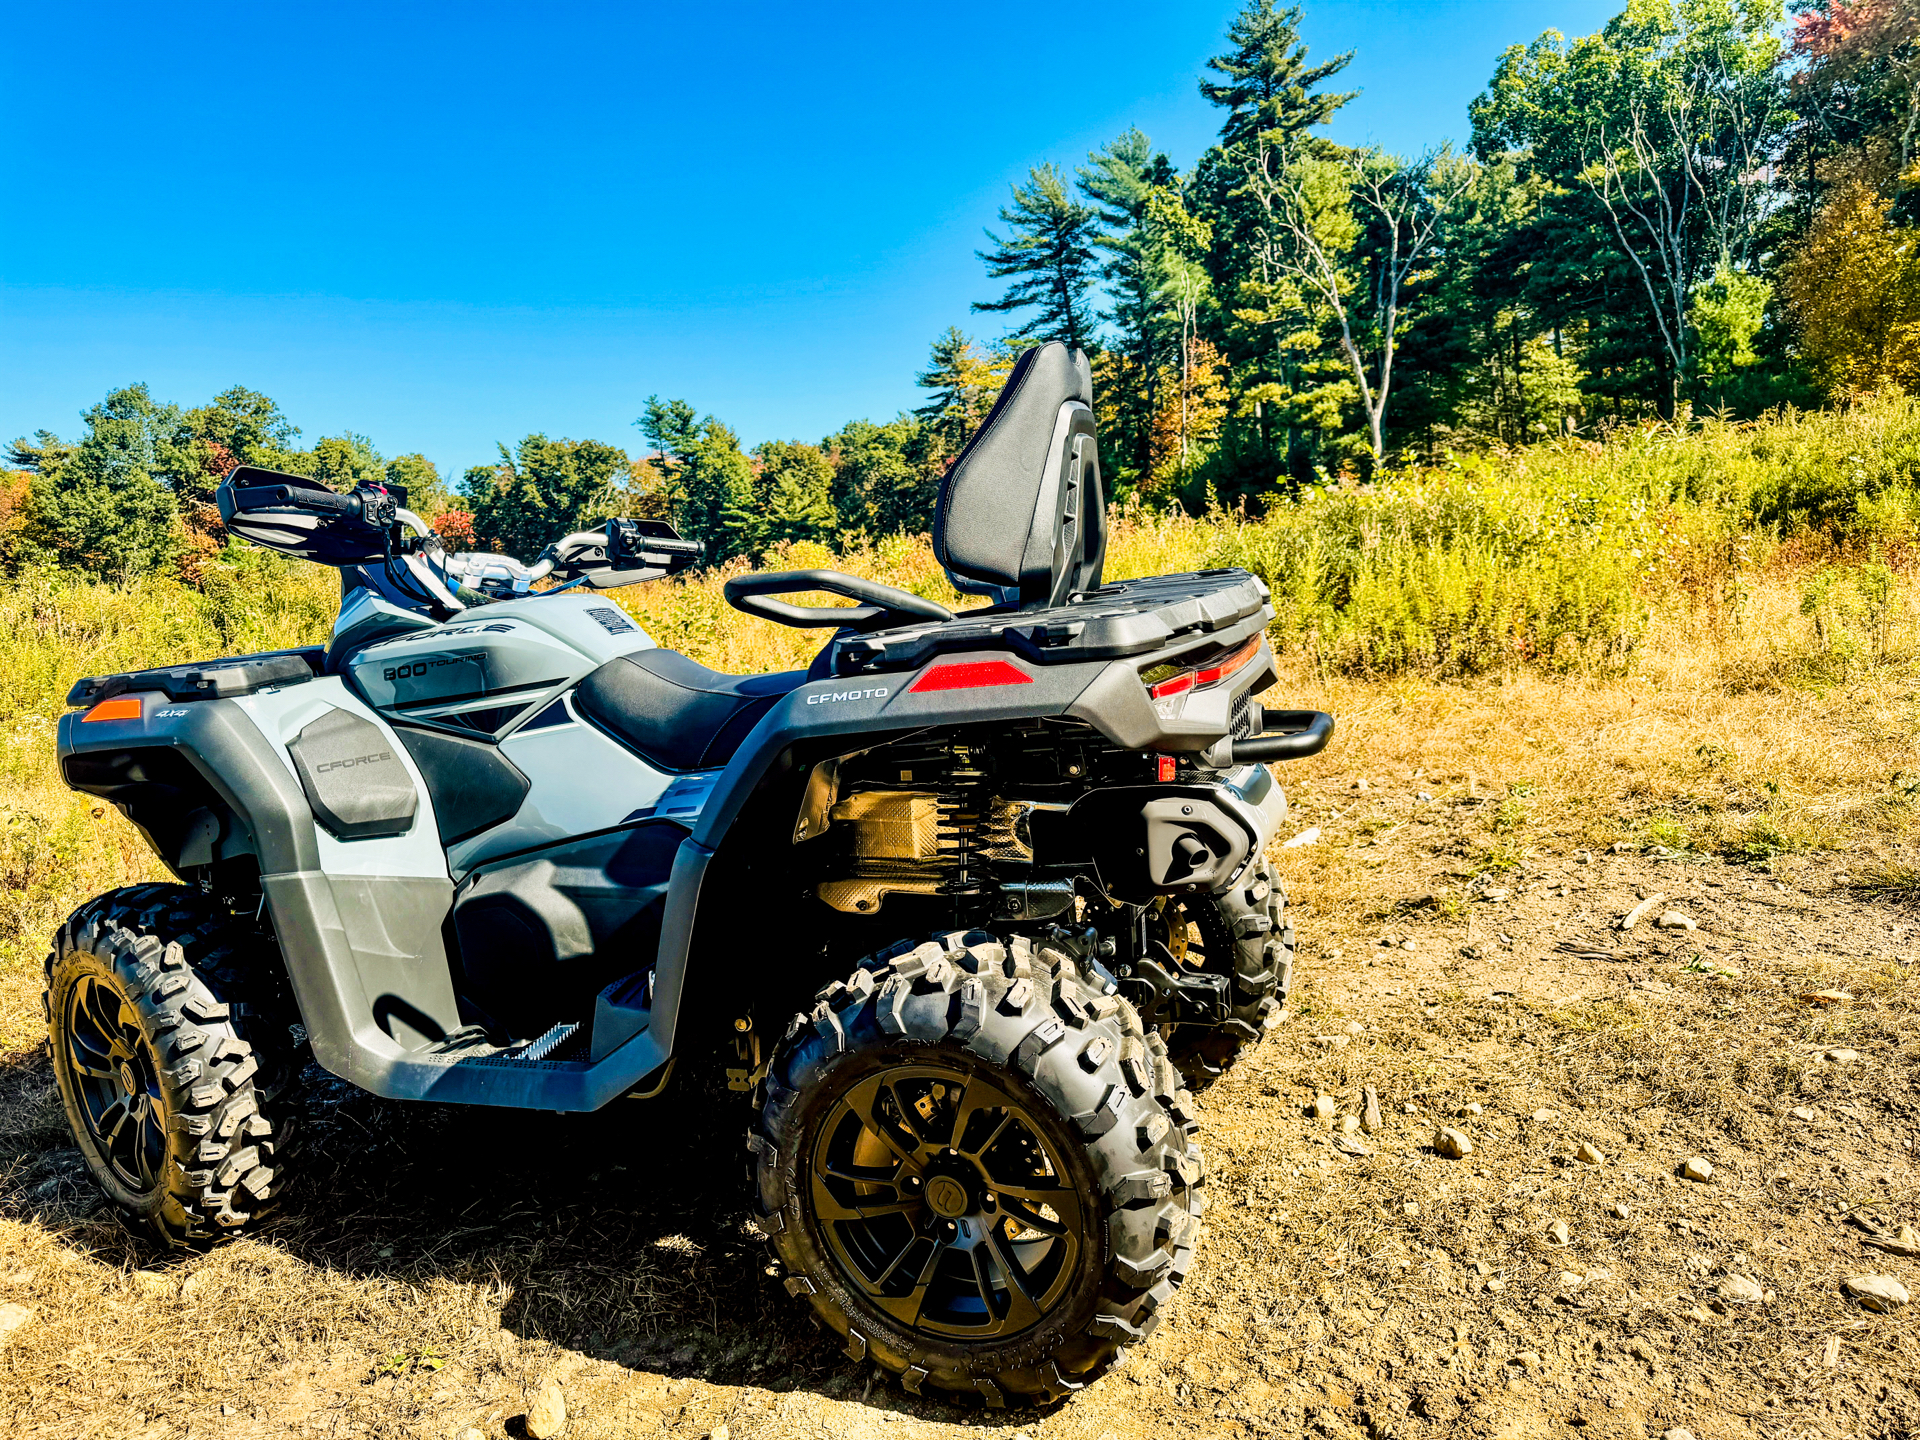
1269	88
964	383
1049	256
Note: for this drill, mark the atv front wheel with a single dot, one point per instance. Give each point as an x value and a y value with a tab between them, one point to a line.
978	1169
171	1055
1244	935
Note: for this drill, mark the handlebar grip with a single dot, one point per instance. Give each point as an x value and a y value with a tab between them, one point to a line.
1303	733
259	497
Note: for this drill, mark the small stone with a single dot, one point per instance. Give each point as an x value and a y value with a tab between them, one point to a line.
1568	1278
1697	1168
1355	1028
1422	796
1529	1359
720	1433
1371	1110
13	1317
1876	1293
1348	1146
1618	1211
547	1416
1410	1208
1335	954
473	1433
1677	1433
1597	1273
1350	1124
1481	1268
1559	1231
1675	921
1324	1108
1801	1113
1634	917
1622	848
1308	837
1407	945
1544	1114
1496	1284
1408	1108
1430	1011
1590	1154
1472	1108
1360	784
1744	1290
1584	858
1496	893
1841	1056
1451	1143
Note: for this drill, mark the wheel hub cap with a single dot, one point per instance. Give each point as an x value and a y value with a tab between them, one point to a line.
948	1197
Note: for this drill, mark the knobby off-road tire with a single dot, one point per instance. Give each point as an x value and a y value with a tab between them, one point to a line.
978	1169
168	1027
1245	935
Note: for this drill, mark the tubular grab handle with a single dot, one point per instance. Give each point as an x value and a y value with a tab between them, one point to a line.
1302	733
880	605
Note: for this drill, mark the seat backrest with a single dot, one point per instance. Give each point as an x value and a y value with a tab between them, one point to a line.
1021	516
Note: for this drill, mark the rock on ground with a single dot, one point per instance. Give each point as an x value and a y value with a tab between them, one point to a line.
1877	1293
14	1316
1697	1168
547	1415
1452	1143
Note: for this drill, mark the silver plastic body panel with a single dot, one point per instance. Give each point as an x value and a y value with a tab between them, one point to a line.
523	649
582	782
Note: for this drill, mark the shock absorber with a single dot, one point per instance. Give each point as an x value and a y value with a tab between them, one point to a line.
963	806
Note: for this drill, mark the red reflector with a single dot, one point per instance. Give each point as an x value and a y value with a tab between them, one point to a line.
1173	685
125	707
1233	663
1164	768
972	675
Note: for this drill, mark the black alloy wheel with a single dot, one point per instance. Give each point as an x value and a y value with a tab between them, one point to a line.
116	1079
942	1200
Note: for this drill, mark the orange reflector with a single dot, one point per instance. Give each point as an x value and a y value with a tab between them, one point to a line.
1164	768
121	707
972	675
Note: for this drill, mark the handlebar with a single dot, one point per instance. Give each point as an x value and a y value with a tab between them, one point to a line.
373	507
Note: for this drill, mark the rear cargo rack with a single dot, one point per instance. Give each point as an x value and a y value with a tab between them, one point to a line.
1131	617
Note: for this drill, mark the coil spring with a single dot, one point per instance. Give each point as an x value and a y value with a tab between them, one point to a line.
963	807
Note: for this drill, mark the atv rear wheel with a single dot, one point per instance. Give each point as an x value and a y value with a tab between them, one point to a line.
978	1169
1244	935
171	1050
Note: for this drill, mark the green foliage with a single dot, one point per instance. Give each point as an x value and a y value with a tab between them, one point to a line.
542	490
1727	313
1268	89
884	478
1048	256
105	505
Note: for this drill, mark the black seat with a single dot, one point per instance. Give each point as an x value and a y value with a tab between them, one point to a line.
677	713
1021	516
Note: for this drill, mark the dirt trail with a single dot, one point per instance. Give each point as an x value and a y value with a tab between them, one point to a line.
448	1264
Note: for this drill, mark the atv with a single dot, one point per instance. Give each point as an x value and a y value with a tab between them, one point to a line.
960	902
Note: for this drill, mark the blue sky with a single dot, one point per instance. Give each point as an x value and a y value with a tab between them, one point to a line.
445	226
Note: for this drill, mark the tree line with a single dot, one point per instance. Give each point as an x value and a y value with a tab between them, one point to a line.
1707	205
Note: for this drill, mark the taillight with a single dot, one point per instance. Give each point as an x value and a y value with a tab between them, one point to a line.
971	675
1164	691
123	707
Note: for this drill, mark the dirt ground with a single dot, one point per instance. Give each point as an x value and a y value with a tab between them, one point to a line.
1462	950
